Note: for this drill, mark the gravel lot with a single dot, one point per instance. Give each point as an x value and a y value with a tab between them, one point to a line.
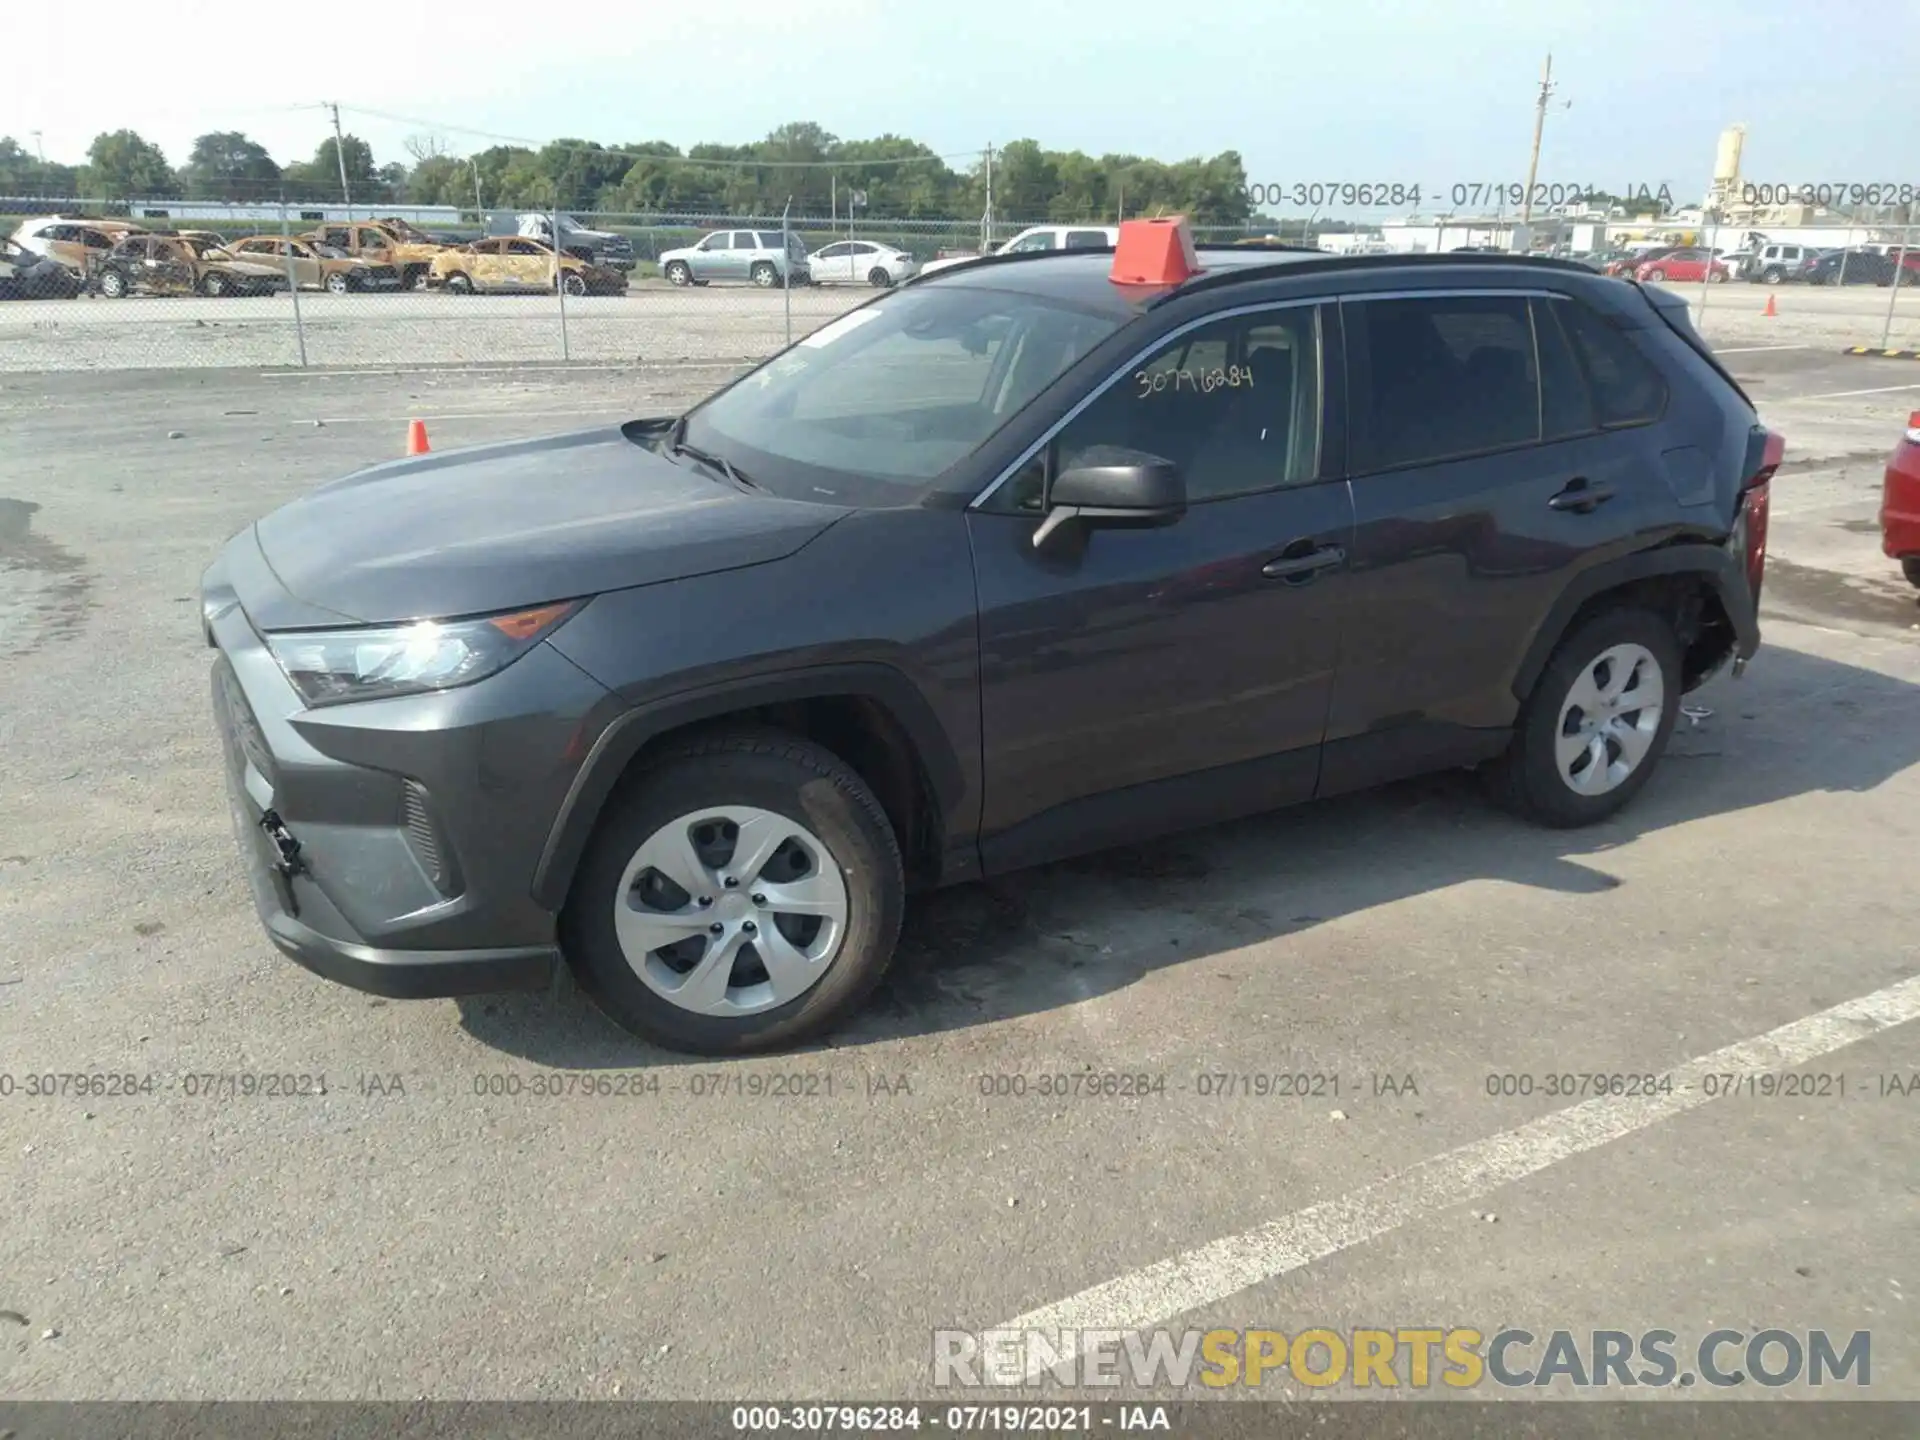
404	1236
657	323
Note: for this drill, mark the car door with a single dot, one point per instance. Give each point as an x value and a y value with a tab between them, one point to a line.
1487	470
834	264
526	265
303	260
1137	680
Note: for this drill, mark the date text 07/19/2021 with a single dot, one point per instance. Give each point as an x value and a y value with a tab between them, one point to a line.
1458	195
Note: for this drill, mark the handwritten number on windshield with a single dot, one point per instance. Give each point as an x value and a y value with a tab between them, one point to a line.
1200	382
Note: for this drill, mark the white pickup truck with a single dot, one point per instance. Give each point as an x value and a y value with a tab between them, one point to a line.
1042	237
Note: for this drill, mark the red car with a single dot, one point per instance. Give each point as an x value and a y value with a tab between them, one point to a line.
1690	263
1900	503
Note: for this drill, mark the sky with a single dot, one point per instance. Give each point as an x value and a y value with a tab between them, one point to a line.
1438	93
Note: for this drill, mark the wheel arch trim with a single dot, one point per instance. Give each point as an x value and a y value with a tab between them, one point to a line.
628	733
1721	570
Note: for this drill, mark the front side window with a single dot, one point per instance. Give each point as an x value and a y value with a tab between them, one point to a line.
714	242
1441	377
1235	404
1039	240
873	405
835	252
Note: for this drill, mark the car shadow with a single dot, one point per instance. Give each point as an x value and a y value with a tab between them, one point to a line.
1066	933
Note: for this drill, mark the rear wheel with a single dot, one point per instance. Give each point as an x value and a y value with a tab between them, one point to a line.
1596	724
1656	275
413	277
459	284
574	283
338	284
764	275
879	278
1716	277
214	286
743	892
1910	567
1772	275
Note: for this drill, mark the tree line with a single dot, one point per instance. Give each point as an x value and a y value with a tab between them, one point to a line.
892	176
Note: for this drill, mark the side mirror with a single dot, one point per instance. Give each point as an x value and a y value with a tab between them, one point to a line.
1115	487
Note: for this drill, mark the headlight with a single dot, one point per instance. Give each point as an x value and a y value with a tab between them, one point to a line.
329	667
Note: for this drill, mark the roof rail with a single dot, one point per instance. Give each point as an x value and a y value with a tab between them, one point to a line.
1323	262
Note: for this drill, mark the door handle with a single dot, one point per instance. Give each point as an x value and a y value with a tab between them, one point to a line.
1306	566
1581	497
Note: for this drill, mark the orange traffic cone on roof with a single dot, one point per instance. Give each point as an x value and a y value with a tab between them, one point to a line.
417	435
1770	310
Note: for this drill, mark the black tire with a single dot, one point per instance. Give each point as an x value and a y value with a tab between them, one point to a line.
114	285
1526	780
678	272
339	283
879	278
1910	567
573	283
214	285
775	771
413	277
459	284
764	275
1771	275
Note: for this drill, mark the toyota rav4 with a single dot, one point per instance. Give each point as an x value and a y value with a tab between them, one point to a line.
1013	562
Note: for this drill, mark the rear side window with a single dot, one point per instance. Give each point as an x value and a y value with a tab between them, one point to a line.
1627	390
1086	240
1566	406
1442	377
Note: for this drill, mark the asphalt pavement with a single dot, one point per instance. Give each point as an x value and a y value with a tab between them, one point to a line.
800	1225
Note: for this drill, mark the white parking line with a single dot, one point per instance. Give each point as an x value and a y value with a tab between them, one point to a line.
1213	1272
426	415
1843	394
1754	349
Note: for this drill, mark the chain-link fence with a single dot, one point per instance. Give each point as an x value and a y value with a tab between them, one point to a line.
166	284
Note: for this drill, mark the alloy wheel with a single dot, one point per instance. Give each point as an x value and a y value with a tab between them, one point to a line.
1609	720
731	910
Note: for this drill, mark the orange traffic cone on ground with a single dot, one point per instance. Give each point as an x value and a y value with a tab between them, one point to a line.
417	432
1770	310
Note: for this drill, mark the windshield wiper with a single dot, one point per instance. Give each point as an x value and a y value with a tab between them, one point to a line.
715	461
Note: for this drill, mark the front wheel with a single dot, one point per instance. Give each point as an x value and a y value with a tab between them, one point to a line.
1656	276
1772	275
214	286
459	284
1716	277
678	273
743	892
764	275
113	284
574	283
338	283
1910	567
1596	723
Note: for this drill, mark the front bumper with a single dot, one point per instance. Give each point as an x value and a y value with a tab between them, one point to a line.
390	845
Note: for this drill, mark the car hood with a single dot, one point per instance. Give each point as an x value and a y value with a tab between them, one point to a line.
499	527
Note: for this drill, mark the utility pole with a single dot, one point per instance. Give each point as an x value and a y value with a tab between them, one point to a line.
340	154
479	210
1539	125
986	220
39	147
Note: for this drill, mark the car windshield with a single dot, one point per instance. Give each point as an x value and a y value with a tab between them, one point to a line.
872	406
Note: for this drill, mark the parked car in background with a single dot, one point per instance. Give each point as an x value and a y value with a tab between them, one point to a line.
1900	502
1624	262
595	247
317	267
1688	263
1848	267
168	265
1041	237
377	245
1776	264
861	262
27	276
78	244
755	256
515	265
410	234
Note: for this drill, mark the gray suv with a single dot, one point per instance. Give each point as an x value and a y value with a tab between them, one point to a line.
755	256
